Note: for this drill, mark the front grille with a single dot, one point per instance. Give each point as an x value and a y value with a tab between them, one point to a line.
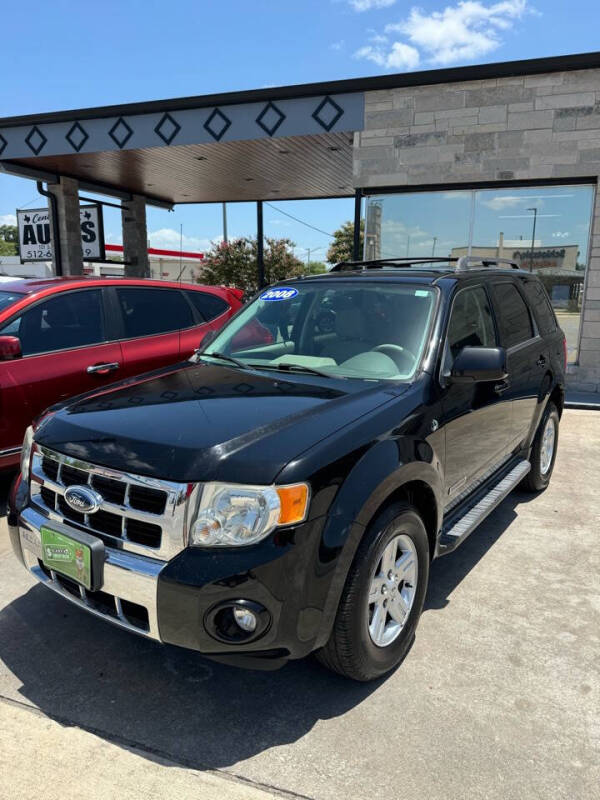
137	514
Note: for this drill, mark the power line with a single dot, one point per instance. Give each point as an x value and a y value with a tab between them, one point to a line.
301	221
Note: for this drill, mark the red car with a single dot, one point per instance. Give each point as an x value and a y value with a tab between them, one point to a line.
63	336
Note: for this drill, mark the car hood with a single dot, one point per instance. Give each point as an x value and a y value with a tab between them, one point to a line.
198	422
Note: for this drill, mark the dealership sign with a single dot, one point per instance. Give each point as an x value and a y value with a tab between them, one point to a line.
34	233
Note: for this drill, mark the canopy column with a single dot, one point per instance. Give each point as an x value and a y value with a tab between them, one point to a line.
67	258
135	237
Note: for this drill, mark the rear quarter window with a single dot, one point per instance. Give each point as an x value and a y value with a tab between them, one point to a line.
209	306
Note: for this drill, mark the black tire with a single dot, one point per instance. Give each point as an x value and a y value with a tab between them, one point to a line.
537	479
350	649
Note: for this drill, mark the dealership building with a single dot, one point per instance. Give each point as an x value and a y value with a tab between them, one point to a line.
499	159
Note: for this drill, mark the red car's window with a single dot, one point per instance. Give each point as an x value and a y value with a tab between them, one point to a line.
208	305
61	323
8	299
147	312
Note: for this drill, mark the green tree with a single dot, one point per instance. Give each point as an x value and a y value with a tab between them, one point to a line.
315	268
8	240
235	263
342	247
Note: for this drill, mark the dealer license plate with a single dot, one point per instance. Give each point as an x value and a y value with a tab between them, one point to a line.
66	555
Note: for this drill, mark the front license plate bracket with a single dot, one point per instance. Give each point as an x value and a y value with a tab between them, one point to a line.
74	554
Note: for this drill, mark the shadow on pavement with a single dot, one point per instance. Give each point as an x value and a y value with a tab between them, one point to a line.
172	702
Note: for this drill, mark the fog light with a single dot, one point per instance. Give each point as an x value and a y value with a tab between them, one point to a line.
245	618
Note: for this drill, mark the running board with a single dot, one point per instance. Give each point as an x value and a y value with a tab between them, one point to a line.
458	531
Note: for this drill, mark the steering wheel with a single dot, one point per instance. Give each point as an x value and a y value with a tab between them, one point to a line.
394	350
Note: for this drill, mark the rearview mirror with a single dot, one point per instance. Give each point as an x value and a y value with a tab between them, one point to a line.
478	364
10	348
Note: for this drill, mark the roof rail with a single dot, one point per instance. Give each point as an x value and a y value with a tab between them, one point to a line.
379	263
476	262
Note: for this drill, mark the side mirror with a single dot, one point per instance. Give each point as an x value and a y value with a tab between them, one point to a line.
478	364
10	348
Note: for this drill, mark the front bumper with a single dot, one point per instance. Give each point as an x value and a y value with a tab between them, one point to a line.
130	580
172	601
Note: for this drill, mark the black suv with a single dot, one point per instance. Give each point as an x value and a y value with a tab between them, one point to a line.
285	490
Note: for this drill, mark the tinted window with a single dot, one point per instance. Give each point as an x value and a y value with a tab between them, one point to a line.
8	298
540	303
150	311
471	323
208	305
513	317
69	320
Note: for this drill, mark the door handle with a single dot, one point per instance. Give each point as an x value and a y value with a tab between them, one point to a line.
102	369
541	362
501	387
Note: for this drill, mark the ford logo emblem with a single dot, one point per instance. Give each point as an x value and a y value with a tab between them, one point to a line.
83	499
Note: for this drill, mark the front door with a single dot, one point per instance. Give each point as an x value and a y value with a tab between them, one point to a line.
64	353
476	417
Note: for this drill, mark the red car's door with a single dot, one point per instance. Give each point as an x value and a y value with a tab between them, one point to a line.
152	318
64	353
212	313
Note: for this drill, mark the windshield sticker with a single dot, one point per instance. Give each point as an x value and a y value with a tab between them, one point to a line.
421	293
280	293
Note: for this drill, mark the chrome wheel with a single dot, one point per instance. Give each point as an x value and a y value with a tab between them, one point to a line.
393	589
547	445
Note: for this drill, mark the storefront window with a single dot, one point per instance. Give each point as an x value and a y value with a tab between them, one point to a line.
546	229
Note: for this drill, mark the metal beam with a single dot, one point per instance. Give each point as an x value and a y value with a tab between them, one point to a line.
21	171
260	245
357	207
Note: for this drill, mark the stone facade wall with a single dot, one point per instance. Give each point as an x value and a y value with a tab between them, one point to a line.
522	128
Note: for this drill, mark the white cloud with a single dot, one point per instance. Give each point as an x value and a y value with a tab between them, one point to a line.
169	239
337	45
502	202
8	219
462	32
367	5
560	234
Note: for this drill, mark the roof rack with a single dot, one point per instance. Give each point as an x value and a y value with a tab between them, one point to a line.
378	263
476	262
463	263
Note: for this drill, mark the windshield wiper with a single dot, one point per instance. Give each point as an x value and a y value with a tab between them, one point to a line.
295	368
224	357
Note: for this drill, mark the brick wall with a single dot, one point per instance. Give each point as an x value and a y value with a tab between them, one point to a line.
528	128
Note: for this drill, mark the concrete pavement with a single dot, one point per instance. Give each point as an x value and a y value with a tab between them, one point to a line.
498	697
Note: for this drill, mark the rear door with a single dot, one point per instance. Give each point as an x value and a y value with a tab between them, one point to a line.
151	319
211	313
64	353
526	356
475	417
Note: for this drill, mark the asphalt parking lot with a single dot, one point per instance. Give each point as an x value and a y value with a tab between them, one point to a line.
498	698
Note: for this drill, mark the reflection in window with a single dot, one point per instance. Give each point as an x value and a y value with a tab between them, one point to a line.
545	228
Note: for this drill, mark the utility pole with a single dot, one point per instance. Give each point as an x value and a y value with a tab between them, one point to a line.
435	238
225	223
407	244
532	237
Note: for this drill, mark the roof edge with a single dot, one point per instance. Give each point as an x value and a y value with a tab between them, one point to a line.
498	69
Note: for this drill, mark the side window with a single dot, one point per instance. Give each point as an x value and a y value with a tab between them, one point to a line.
471	323
540	303
208	305
514	320
147	312
61	323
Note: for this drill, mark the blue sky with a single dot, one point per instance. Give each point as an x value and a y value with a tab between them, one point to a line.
68	54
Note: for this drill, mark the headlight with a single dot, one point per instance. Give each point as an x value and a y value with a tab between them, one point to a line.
26	453
231	514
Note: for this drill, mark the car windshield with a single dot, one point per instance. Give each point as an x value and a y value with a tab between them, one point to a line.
349	330
8	298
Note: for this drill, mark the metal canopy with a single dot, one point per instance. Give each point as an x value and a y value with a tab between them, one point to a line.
256	169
